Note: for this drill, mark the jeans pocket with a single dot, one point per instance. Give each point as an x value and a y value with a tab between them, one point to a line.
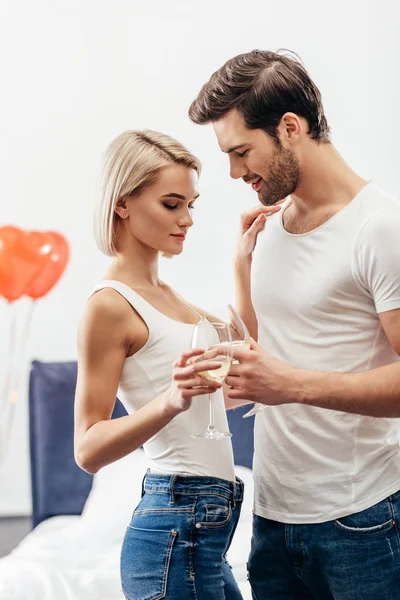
145	560
366	530
216	515
373	520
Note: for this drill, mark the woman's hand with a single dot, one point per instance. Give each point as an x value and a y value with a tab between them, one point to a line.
251	223
187	383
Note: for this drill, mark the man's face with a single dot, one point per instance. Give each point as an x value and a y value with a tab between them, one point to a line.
272	170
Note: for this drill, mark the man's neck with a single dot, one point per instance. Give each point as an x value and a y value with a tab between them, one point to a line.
327	185
327	181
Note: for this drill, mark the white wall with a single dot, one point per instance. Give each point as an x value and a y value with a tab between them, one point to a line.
77	73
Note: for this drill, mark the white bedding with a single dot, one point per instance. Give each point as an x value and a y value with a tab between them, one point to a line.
77	558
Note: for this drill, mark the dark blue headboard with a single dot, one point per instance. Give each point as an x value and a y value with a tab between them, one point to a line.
59	486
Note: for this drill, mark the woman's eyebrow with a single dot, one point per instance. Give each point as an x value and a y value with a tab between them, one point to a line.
178	196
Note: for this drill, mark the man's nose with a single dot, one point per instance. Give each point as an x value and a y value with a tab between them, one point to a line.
237	169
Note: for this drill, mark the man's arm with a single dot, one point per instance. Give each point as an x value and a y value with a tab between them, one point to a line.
375	393
265	379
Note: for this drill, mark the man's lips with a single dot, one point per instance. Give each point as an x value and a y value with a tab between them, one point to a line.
255	182
256	185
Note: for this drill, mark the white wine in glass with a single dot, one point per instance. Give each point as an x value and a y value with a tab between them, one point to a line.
219	374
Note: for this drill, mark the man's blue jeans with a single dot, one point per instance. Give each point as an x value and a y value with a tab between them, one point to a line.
353	558
175	545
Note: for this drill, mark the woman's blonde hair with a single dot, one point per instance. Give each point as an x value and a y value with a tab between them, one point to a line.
131	162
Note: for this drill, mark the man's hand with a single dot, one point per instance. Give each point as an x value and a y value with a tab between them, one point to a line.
261	378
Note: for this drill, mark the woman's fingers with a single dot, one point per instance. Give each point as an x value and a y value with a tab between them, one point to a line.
194	368
187	393
208	355
251	215
185	356
199	382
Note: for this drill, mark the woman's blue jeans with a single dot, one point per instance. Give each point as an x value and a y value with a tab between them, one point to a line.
176	543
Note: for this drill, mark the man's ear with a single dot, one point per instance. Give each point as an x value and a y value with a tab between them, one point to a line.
290	127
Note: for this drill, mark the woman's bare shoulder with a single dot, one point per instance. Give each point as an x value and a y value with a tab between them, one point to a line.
107	314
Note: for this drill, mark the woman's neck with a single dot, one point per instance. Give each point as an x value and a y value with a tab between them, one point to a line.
137	268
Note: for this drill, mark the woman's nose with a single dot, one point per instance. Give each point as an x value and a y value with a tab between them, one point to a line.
186	220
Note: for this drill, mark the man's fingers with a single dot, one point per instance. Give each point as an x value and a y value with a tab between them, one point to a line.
237	394
236	370
236	353
232	382
254	345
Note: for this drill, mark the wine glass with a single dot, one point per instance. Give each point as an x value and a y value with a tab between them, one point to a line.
258	407
207	333
240	338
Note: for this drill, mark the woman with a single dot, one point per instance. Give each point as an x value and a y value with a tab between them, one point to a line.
135	327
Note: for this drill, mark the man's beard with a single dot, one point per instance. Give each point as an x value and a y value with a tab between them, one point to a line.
283	177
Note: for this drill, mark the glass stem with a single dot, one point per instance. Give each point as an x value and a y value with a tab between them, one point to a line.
211	424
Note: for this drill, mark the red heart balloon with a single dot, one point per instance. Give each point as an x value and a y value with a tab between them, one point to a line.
19	262
55	248
31	262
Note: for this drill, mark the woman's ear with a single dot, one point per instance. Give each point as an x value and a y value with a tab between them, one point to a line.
121	208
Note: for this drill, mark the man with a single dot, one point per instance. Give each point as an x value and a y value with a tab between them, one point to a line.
325	287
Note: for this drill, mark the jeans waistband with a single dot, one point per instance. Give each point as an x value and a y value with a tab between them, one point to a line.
193	485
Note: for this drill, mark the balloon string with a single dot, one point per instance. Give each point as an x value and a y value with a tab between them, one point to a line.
13	376
10	357
6	389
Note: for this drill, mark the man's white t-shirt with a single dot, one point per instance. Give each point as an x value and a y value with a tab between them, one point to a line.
317	297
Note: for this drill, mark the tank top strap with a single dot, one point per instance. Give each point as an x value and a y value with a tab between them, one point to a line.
148	313
188	306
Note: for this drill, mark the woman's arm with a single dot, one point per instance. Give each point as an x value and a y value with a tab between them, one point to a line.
103	345
243	303
251	223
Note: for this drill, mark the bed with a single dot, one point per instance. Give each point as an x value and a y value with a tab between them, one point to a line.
78	521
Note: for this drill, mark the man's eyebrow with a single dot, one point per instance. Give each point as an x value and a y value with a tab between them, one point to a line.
178	196
233	148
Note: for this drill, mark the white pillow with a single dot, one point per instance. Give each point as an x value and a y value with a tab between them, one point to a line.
239	551
246	475
115	493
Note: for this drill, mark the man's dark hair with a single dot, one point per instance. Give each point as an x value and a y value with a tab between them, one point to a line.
262	86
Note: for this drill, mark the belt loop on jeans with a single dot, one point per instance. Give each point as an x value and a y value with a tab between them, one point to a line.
171	488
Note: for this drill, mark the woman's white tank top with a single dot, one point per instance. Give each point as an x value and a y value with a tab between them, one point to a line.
147	374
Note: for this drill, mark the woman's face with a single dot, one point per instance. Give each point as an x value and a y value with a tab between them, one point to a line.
161	215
